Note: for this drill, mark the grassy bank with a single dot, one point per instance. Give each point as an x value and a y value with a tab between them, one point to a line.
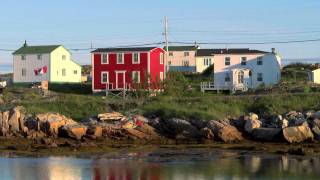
200	106
182	99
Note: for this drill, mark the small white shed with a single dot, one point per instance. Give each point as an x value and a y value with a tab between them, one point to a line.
314	76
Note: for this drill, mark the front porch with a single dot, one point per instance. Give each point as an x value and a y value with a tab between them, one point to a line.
210	86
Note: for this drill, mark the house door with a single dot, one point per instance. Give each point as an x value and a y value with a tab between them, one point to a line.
121	79
240	77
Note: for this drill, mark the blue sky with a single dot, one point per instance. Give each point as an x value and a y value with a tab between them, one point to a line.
104	23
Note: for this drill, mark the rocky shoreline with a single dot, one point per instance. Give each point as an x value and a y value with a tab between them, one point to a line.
297	131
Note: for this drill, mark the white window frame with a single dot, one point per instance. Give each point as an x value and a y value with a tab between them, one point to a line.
122	55
161	76
75	71
101	80
207	61
39	56
243	59
23	57
186	53
225	60
107	55
133	58
64	57
185	63
161	58
133	78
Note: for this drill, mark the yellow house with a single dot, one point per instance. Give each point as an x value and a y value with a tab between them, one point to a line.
51	63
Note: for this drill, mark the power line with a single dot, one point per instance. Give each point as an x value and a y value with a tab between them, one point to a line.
8	50
250	43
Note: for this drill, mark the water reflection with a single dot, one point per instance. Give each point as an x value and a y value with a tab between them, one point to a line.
157	165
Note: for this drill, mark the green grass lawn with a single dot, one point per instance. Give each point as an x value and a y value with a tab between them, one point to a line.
182	99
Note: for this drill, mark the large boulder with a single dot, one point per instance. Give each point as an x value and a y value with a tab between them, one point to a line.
224	131
315	127
94	131
16	119
297	134
252	124
51	122
150	131
4	123
316	115
267	134
75	131
207	133
175	127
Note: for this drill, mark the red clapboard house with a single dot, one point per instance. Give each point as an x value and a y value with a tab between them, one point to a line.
124	68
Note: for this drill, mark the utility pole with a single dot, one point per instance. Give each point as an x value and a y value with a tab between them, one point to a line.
167	44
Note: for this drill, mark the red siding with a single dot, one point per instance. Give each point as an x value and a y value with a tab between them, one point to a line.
112	67
156	67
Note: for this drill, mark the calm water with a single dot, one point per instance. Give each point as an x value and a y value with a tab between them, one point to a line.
160	164
5	69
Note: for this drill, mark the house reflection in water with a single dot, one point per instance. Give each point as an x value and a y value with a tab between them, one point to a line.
177	165
124	170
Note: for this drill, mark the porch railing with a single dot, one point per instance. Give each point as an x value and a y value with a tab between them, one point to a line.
210	86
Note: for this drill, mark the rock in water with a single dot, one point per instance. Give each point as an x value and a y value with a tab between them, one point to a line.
75	131
252	124
267	134
297	134
225	132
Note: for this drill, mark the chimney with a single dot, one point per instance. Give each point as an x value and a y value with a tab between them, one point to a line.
273	50
25	43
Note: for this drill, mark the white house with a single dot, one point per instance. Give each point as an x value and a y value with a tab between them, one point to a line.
239	69
45	63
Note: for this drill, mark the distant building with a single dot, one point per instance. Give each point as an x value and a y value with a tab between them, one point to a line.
45	63
117	69
314	76
182	58
240	69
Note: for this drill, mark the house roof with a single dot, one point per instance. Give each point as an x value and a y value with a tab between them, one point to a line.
124	49
181	48
36	49
211	52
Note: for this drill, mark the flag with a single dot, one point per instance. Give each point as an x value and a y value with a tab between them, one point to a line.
41	71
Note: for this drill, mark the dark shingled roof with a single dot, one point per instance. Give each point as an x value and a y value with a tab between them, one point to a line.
210	52
36	49
181	48
124	49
